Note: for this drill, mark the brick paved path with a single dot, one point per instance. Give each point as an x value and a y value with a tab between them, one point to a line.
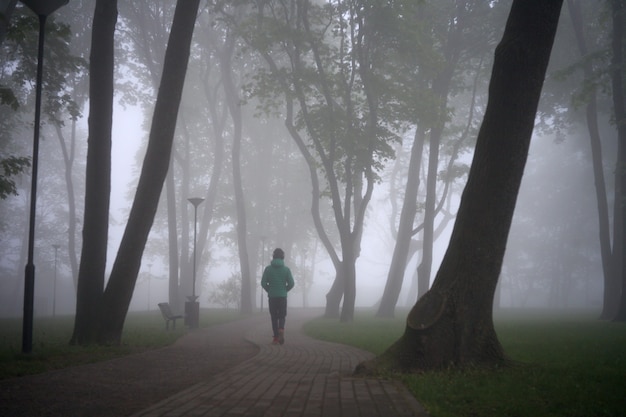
303	377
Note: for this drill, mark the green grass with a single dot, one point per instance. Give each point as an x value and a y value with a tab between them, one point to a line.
51	350
565	365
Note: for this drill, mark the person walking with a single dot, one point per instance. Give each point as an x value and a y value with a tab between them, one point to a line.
277	281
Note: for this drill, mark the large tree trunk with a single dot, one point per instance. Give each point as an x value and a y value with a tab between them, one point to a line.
452	324
617	80
98	176
155	166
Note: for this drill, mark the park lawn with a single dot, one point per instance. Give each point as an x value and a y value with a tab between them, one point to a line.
51	350
564	364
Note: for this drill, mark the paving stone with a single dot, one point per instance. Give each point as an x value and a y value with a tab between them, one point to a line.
302	378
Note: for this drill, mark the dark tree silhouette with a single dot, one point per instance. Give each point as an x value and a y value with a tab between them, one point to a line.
98	176
100	315
452	324
619	107
121	284
607	252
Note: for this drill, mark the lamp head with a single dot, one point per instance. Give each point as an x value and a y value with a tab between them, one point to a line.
195	201
44	7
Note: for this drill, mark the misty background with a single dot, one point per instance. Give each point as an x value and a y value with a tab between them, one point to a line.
552	260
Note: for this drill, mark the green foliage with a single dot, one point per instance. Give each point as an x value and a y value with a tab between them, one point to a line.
227	293
320	62
51	349
564	364
7	98
598	81
61	68
9	167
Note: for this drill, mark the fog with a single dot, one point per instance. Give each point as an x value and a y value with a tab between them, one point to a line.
552	258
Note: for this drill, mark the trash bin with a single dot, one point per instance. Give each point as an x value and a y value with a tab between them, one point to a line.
192	314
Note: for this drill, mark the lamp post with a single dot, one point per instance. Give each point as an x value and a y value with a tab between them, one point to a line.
262	267
42	8
192	307
54	286
149	280
304	279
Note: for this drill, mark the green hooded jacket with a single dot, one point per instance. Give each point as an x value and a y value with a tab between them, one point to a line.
277	279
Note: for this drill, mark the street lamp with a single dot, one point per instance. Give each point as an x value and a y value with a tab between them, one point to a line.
42	8
263	237
192	308
54	287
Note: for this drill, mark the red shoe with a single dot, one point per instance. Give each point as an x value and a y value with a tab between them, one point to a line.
275	341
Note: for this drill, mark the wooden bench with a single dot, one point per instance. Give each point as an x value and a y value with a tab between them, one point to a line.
166	310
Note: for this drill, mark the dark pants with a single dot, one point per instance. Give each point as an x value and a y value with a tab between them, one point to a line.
278	312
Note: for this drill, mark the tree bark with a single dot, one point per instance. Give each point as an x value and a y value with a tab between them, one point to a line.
98	176
452	324
121	284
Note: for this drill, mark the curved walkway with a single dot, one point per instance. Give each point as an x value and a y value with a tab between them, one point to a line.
303	377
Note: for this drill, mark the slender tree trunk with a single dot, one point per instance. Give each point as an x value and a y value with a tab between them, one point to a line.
186	282
441	89
98	177
68	159
121	284
618	73
403	241
172	238
242	232
217	123
609	299
425	266
452	324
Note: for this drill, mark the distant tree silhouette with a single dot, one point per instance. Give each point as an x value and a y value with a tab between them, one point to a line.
619	108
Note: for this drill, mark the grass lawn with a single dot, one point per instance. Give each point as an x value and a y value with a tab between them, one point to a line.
51	336
567	364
